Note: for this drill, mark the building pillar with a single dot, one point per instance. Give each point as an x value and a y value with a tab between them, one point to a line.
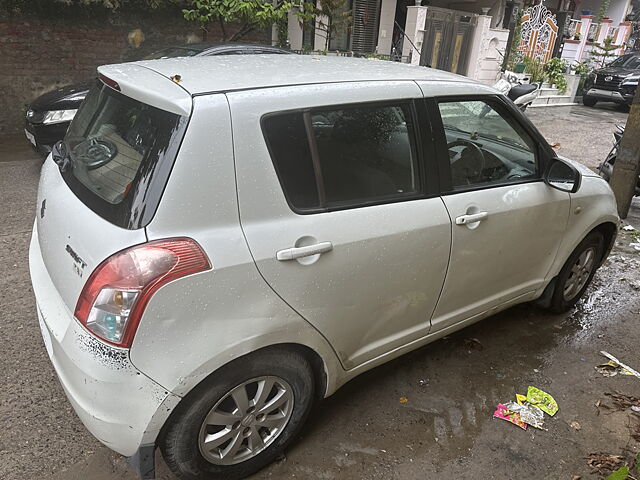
414	29
295	31
385	31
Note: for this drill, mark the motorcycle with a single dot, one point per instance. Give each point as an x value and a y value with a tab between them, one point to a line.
514	87
605	170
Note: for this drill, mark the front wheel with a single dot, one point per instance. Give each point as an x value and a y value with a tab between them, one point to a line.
589	101
577	272
241	418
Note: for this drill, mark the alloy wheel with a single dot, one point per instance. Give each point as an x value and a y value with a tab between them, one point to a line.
579	274
246	420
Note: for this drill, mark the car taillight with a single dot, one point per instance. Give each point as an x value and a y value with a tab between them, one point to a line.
117	292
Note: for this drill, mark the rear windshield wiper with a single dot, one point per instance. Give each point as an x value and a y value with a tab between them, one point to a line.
61	155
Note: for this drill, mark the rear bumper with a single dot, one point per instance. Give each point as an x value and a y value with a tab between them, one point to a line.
609	95
119	405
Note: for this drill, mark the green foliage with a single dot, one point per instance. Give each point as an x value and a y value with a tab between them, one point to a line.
328	17
554	70
601	52
249	14
515	56
582	68
603	11
535	68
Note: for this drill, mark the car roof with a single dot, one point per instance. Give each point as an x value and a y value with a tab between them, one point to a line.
202	75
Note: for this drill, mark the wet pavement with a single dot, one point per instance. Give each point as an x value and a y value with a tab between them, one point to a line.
444	429
584	133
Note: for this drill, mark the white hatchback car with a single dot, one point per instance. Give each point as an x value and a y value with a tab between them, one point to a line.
221	241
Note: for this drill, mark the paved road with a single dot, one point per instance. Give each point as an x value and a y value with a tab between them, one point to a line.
584	133
444	430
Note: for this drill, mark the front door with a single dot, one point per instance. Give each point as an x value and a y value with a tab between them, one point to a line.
506	222
336	213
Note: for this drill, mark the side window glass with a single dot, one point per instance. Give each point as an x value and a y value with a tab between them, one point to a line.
486	146
365	153
289	148
343	157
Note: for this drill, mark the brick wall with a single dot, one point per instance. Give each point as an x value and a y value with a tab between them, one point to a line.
37	55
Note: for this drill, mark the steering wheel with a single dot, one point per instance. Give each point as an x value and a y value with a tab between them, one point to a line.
471	172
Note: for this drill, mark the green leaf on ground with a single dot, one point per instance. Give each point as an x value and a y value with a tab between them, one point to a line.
620	474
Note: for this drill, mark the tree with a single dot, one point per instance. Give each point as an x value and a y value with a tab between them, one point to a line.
627	166
514	56
603	51
248	14
328	16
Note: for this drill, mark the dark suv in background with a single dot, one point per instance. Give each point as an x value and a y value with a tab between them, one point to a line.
49	115
616	82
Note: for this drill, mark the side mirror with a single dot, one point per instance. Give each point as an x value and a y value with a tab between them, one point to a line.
562	176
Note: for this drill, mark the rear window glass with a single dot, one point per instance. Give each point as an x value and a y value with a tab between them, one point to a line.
349	156
121	151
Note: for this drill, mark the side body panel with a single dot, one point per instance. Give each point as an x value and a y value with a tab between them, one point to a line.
592	205
194	325
505	256
376	289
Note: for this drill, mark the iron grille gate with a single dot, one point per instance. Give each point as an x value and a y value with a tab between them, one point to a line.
447	39
366	18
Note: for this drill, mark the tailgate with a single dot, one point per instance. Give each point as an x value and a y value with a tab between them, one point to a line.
73	239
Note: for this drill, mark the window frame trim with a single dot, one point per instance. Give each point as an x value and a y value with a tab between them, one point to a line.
543	151
421	124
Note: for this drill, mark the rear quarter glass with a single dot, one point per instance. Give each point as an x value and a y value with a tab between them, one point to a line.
122	152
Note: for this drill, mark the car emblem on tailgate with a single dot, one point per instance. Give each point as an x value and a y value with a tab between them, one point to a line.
79	264
608	78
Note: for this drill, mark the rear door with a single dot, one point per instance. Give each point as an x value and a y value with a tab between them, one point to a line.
507	224
340	214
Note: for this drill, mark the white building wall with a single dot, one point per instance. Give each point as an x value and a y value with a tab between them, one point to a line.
414	28
385	32
488	47
295	32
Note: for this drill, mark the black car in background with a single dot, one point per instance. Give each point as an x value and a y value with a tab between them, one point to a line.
616	82
49	115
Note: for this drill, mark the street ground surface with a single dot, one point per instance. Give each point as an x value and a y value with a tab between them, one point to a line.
424	416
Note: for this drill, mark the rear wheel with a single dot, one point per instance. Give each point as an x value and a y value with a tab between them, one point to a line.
577	272
589	101
241	418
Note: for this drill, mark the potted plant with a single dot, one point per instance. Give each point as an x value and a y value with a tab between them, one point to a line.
554	70
577	36
535	68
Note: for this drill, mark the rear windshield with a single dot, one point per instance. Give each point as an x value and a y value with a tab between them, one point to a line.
122	151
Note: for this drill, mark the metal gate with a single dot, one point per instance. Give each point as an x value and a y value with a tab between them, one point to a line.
447	39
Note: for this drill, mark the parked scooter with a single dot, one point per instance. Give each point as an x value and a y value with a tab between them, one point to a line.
514	87
606	168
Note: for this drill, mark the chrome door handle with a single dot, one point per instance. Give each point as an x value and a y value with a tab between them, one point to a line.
299	252
472	218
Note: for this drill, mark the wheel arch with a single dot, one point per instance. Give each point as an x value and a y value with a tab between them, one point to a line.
609	231
316	362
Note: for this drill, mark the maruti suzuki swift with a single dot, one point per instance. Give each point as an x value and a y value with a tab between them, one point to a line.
220	242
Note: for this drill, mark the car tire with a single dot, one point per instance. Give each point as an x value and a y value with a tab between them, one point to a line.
577	272
195	420
589	101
